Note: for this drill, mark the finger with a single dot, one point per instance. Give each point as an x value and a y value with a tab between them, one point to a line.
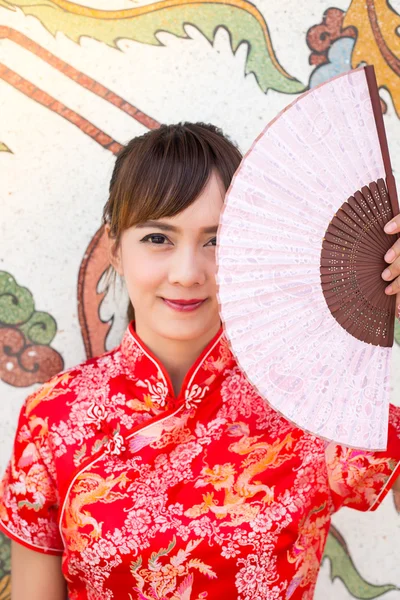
392	272
393	253
393	288
393	226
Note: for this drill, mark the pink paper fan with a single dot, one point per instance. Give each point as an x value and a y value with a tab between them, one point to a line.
299	260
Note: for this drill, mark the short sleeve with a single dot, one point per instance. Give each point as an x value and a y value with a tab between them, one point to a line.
360	479
28	493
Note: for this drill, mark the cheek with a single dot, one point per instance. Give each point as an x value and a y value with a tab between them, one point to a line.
142	273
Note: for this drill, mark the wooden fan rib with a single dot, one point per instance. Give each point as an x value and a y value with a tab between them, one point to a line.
346	286
359	224
337	269
330	258
381	205
360	251
341	216
383	192
339	225
372	217
356	256
354	319
383	208
353	275
341	295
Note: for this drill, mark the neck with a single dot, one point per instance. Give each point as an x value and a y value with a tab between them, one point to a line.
176	355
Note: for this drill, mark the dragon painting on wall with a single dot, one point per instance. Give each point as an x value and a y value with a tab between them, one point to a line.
366	32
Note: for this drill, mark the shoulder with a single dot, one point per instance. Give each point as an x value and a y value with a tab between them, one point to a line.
359	478
54	398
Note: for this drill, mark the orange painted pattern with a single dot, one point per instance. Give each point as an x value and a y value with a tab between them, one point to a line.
84	80
43	98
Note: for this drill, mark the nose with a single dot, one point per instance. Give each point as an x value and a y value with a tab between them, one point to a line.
187	268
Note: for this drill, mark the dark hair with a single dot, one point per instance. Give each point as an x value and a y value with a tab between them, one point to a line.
162	172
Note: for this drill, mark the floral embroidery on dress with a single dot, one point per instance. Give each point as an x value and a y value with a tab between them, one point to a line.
194	395
158	392
172	580
208	495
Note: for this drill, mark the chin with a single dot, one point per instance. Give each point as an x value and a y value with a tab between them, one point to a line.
186	329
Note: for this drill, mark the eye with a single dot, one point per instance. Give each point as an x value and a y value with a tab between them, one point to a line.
157	236
213	240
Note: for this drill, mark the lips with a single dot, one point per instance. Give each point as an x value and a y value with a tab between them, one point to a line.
185	302
184	305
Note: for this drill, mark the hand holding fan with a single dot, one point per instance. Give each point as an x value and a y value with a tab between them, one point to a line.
299	262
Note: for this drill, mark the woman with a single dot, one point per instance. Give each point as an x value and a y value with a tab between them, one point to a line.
155	470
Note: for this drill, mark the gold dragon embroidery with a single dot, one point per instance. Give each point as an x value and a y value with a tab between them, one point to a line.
240	487
89	488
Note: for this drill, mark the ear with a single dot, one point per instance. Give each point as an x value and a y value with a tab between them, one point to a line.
114	251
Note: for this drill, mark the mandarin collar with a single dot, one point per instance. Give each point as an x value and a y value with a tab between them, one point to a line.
202	378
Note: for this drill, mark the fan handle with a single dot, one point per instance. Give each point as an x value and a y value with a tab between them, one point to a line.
380	126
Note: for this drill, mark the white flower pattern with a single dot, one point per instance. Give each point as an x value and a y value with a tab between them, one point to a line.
144	498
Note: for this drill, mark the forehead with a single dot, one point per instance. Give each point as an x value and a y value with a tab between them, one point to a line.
202	215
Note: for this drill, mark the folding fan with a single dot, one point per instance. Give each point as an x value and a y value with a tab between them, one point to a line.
299	260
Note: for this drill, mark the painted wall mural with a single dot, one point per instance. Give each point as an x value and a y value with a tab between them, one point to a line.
25	334
78	80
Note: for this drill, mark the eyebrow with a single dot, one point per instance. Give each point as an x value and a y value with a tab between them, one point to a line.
166	227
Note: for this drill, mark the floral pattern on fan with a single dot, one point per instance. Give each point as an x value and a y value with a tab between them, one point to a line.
291	183
352	260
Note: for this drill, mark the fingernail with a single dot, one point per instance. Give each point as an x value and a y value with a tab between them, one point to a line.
390	227
389	289
390	255
386	274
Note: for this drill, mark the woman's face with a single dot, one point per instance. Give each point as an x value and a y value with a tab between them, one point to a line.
174	259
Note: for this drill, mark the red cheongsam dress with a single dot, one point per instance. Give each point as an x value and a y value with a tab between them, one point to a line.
210	494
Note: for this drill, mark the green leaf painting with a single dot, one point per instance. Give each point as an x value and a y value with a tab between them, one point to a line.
25	336
342	567
242	20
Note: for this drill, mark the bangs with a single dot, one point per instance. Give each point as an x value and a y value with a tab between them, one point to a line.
166	170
